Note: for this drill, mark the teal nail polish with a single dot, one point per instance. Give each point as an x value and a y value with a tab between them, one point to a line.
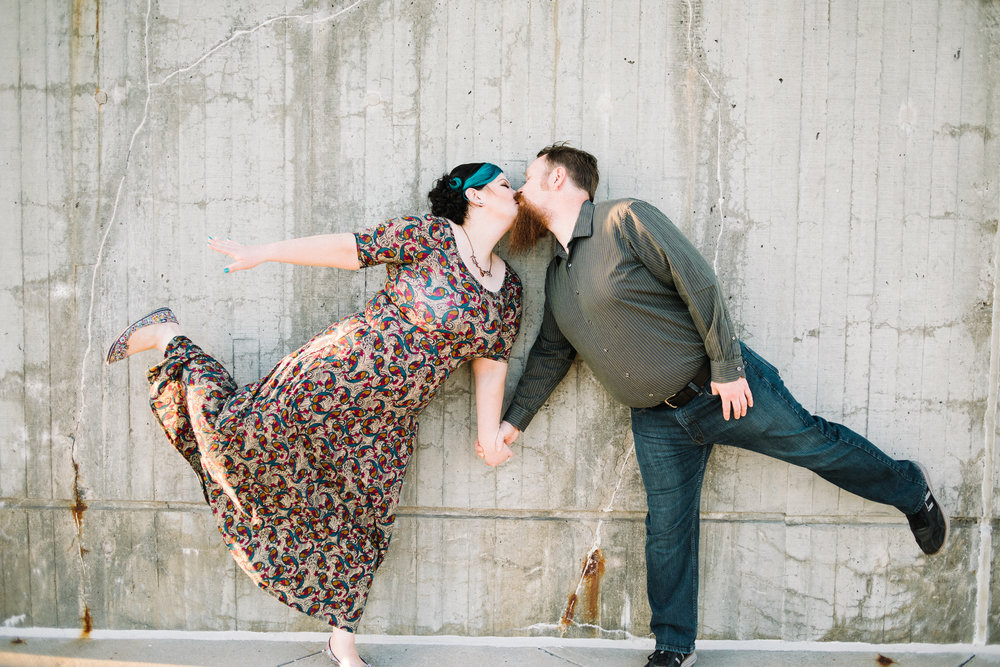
225	270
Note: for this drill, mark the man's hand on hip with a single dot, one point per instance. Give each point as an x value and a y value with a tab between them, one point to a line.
735	395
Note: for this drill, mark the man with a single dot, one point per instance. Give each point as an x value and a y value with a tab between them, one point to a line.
634	298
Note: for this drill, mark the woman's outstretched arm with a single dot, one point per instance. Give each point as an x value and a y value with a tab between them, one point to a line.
489	376
336	250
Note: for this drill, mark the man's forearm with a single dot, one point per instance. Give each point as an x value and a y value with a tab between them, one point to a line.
541	377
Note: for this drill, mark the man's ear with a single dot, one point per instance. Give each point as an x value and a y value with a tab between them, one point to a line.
557	177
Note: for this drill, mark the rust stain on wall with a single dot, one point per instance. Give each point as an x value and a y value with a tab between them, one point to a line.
567	616
88	623
79	507
590	583
593	572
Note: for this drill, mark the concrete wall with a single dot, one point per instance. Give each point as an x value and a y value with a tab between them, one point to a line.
836	162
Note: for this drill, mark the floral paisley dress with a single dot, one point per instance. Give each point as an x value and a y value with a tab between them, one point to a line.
303	468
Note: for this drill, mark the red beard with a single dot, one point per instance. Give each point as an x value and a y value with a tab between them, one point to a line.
530	226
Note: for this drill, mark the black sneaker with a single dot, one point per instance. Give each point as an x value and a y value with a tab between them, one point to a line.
671	658
929	525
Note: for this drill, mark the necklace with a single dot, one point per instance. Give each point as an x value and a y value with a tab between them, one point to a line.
482	272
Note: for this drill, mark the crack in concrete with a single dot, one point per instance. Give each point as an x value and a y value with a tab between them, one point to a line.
692	68
604	632
80	507
594	552
561	657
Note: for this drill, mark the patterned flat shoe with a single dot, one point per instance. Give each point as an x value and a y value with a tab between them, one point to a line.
329	653
119	349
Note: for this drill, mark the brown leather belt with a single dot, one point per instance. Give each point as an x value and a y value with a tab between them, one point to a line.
693	388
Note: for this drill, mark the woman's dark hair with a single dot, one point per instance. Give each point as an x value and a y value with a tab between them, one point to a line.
448	201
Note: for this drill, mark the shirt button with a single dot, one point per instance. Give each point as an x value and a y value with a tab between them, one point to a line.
605	349
626	375
739	368
651	396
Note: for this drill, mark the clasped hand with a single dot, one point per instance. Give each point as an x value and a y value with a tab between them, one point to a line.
500	451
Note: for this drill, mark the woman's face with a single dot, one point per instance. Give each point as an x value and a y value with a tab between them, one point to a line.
498	198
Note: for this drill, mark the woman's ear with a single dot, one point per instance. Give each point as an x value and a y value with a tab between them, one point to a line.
474	197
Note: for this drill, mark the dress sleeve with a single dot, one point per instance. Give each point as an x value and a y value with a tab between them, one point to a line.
401	240
510	321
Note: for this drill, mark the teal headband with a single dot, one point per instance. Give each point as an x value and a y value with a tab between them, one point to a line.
485	174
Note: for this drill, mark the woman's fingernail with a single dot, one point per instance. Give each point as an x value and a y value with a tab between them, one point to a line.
225	270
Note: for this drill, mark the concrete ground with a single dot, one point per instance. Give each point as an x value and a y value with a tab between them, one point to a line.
32	648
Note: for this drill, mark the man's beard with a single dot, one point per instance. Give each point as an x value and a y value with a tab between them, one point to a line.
529	227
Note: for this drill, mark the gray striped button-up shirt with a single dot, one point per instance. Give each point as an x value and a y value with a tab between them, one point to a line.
639	304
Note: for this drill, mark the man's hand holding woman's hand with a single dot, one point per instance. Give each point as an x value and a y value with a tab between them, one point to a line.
500	451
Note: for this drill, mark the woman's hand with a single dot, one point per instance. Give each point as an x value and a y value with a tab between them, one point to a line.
496	454
246	256
494	458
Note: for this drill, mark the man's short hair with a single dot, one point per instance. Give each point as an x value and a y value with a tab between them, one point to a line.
580	165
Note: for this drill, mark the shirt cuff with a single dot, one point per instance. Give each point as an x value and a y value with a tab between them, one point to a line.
728	370
518	416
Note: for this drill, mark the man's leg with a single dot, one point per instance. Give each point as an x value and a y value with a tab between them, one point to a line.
779	427
673	467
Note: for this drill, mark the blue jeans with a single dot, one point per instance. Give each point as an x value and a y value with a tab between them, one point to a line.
673	446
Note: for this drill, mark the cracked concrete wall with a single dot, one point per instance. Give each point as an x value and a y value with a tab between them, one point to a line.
836	161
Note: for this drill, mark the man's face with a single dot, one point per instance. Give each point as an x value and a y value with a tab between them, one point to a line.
536	181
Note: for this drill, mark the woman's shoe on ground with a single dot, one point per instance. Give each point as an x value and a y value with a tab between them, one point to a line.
329	653
119	349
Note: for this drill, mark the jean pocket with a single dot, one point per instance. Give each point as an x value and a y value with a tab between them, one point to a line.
758	360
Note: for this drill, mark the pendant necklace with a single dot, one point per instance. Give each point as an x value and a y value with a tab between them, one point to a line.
482	272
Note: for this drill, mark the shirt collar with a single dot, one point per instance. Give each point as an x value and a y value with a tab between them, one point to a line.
584	228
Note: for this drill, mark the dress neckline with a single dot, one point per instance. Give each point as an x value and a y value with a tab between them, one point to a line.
461	261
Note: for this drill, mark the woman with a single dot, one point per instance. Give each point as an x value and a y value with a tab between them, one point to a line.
303	468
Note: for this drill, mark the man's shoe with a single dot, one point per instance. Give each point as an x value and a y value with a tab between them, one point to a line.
671	658
929	525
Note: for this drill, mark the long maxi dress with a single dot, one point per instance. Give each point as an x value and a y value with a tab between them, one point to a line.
303	468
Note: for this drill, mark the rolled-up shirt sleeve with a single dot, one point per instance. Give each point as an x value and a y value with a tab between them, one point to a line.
549	360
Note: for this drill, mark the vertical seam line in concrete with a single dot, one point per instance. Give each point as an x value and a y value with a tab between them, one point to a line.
983	575
798	199
556	48
844	409
984	570
928	215
875	217
21	209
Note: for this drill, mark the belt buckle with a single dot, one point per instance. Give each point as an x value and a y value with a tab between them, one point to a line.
669	404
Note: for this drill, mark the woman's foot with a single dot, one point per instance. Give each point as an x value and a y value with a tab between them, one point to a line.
341	650
155	330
